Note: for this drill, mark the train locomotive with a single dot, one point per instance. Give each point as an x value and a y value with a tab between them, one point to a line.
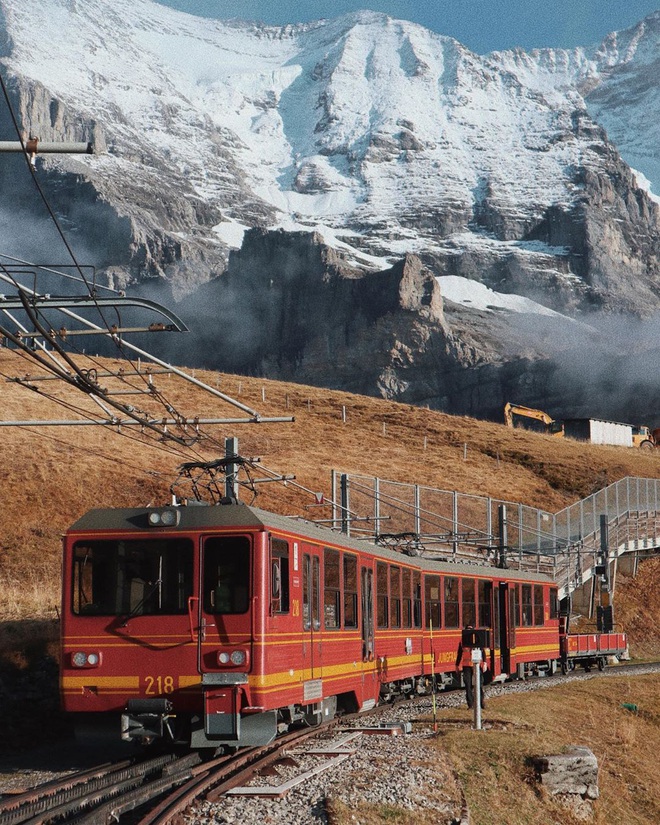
220	626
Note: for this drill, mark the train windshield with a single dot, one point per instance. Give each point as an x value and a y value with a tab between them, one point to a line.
134	577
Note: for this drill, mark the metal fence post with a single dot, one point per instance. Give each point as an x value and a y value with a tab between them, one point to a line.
489	518
345	501
333	487
377	505
503	534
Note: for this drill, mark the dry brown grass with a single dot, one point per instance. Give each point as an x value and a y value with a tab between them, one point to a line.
493	764
51	476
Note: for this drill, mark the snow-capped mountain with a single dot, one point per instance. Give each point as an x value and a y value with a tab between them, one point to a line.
382	137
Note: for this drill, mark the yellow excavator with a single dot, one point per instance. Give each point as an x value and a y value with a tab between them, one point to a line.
527	418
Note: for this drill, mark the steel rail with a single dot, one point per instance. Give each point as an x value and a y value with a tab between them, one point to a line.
67	794
234	770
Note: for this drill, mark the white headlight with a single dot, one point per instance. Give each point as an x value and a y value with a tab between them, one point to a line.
168	517
238	657
154	519
93	659
79	659
223	658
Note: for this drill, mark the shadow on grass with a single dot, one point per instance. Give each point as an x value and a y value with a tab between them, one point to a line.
29	684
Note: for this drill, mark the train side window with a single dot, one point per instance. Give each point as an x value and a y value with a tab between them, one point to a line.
331	588
484	595
382	612
469	604
527	605
432	596
538	604
350	590
395	596
306	581
279	575
316	593
554	603
407	601
516	605
417	598
451	602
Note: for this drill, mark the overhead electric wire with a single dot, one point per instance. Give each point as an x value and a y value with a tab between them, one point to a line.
53	271
51	212
81	379
163	446
115	338
35	180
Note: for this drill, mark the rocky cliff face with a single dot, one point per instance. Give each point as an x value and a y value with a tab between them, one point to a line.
289	307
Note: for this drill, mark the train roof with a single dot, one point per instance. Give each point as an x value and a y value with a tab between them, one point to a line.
196	517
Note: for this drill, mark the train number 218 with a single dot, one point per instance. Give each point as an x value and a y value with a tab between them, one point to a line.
158	684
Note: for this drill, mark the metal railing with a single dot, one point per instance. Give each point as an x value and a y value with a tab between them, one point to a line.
463	526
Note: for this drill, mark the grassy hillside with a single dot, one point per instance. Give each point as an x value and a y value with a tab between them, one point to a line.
53	475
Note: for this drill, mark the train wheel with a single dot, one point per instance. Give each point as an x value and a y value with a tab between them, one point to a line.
601	663
564	667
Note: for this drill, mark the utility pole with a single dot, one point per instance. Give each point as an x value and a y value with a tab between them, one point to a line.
231	469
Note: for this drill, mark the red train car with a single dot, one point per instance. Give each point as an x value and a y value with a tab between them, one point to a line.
220	625
590	649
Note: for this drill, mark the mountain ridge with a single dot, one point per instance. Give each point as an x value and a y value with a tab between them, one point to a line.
383	138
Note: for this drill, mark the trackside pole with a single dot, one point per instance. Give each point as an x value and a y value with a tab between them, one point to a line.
435	709
476	682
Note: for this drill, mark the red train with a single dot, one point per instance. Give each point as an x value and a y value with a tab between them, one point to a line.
221	625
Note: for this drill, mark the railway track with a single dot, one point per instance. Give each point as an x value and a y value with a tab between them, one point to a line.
109	792
212	781
67	798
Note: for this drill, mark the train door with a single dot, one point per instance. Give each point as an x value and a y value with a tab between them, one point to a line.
311	617
371	684
367	615
224	637
505	626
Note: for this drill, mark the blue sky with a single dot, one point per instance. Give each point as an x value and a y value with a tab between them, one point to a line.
481	25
